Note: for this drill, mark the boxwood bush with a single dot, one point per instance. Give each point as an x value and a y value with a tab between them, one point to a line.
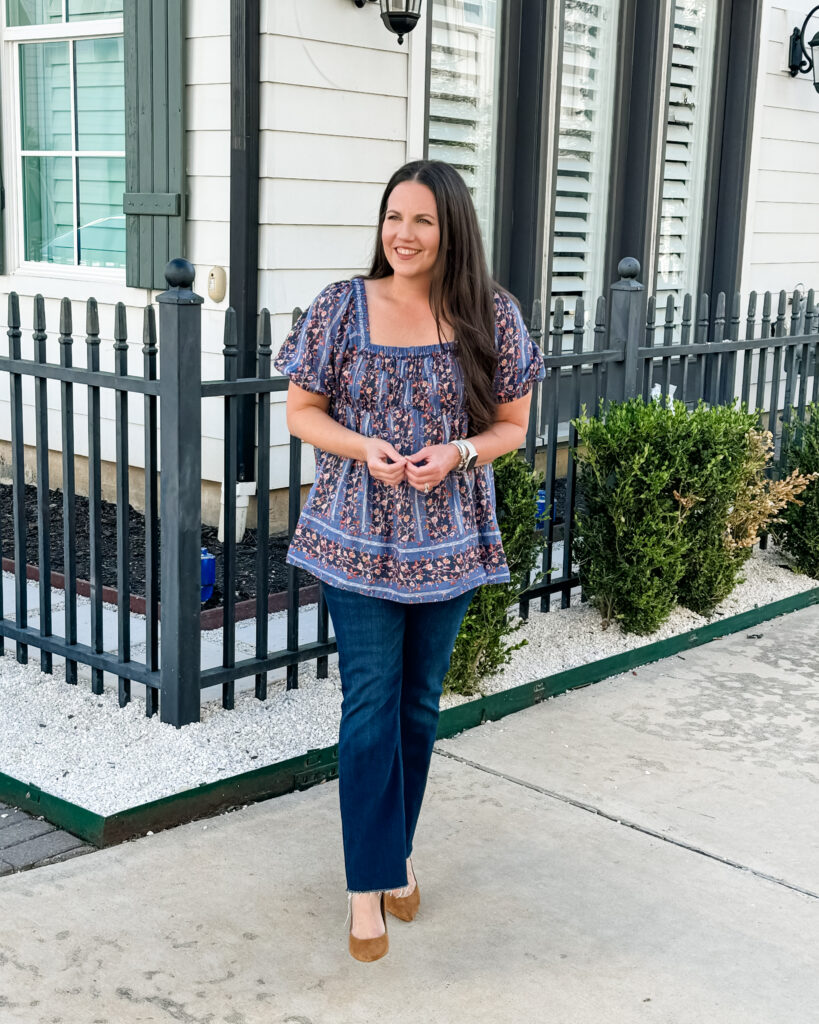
799	532
629	541
720	465
671	504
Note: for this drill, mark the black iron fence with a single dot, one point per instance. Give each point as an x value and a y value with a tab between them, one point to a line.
773	367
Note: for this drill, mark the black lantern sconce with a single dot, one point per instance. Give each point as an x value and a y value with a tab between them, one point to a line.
399	16
801	62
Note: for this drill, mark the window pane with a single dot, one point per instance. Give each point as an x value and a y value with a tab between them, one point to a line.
102	222
685	158
462	108
90	10
33	12
584	153
48	209
100	74
45	96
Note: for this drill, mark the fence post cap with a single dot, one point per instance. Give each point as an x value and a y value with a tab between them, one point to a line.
628	268
179	273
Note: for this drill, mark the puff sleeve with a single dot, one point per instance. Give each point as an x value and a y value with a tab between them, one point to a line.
520	362
312	349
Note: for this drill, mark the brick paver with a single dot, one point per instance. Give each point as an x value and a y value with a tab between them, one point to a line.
29	842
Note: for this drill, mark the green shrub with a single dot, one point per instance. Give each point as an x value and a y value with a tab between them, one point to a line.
481	647
720	466
799	532
629	541
671	504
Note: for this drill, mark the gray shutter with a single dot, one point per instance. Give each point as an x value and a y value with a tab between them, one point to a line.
155	200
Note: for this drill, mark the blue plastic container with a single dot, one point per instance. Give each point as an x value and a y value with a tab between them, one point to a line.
208	574
540	512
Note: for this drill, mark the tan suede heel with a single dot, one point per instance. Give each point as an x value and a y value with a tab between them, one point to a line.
404	907
368	950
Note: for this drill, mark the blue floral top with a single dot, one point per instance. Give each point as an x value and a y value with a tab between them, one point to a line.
358	533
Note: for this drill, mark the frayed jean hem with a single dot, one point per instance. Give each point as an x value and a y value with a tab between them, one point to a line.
389	888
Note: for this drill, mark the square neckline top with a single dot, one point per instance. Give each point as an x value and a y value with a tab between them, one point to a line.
363	309
356	532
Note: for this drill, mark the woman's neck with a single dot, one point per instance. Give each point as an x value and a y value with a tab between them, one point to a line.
408	291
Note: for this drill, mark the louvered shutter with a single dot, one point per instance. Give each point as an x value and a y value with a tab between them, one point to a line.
584	151
461	97
685	157
155	198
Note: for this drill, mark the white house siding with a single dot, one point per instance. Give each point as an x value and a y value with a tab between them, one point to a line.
334	121
782	235
207	120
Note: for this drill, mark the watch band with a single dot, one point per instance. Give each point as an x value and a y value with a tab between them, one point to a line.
472	455
468	453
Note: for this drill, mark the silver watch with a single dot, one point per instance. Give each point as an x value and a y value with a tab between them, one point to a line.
469	455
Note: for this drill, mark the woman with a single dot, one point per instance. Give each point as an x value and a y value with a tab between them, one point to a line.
408	382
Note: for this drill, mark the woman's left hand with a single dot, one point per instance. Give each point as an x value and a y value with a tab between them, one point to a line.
429	466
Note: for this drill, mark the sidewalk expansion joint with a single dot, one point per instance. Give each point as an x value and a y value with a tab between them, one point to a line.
581	805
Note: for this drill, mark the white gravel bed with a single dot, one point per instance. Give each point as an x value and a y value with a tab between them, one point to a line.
86	749
565	639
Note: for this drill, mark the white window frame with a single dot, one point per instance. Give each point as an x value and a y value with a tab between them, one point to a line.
10	40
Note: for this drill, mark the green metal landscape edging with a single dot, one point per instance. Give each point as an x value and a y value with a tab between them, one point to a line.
505	702
322	764
299	772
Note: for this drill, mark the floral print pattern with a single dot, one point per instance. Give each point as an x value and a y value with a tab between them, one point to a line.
358	533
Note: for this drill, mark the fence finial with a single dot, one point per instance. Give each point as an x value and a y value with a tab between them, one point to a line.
231	339
179	273
264	337
628	268
92	321
149	331
14	311
66	325
39	316
120	328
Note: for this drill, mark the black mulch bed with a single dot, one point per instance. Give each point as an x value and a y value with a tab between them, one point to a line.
245	552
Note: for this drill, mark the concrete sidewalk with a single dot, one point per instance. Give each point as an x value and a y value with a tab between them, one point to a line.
645	849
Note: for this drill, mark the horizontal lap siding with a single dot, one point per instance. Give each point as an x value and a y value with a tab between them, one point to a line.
333	129
207	146
782	241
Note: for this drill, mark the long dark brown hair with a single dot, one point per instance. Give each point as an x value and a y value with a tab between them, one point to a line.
461	291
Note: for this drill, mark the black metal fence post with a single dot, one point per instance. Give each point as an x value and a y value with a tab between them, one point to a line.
626	322
180	415
536	334
18	477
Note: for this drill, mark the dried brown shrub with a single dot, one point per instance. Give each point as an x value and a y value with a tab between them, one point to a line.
760	500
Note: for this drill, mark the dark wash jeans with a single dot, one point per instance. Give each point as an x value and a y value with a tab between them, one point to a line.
393	658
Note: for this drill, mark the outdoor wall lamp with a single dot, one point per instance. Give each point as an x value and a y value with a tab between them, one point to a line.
801	61
400	16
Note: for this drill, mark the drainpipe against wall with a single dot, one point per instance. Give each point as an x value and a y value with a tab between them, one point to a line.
245	39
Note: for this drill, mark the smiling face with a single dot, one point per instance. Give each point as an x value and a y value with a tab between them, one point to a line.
411	233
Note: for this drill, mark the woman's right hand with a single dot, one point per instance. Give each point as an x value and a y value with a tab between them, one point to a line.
384	462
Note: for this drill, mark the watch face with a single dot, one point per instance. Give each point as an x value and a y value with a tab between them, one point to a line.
470	463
